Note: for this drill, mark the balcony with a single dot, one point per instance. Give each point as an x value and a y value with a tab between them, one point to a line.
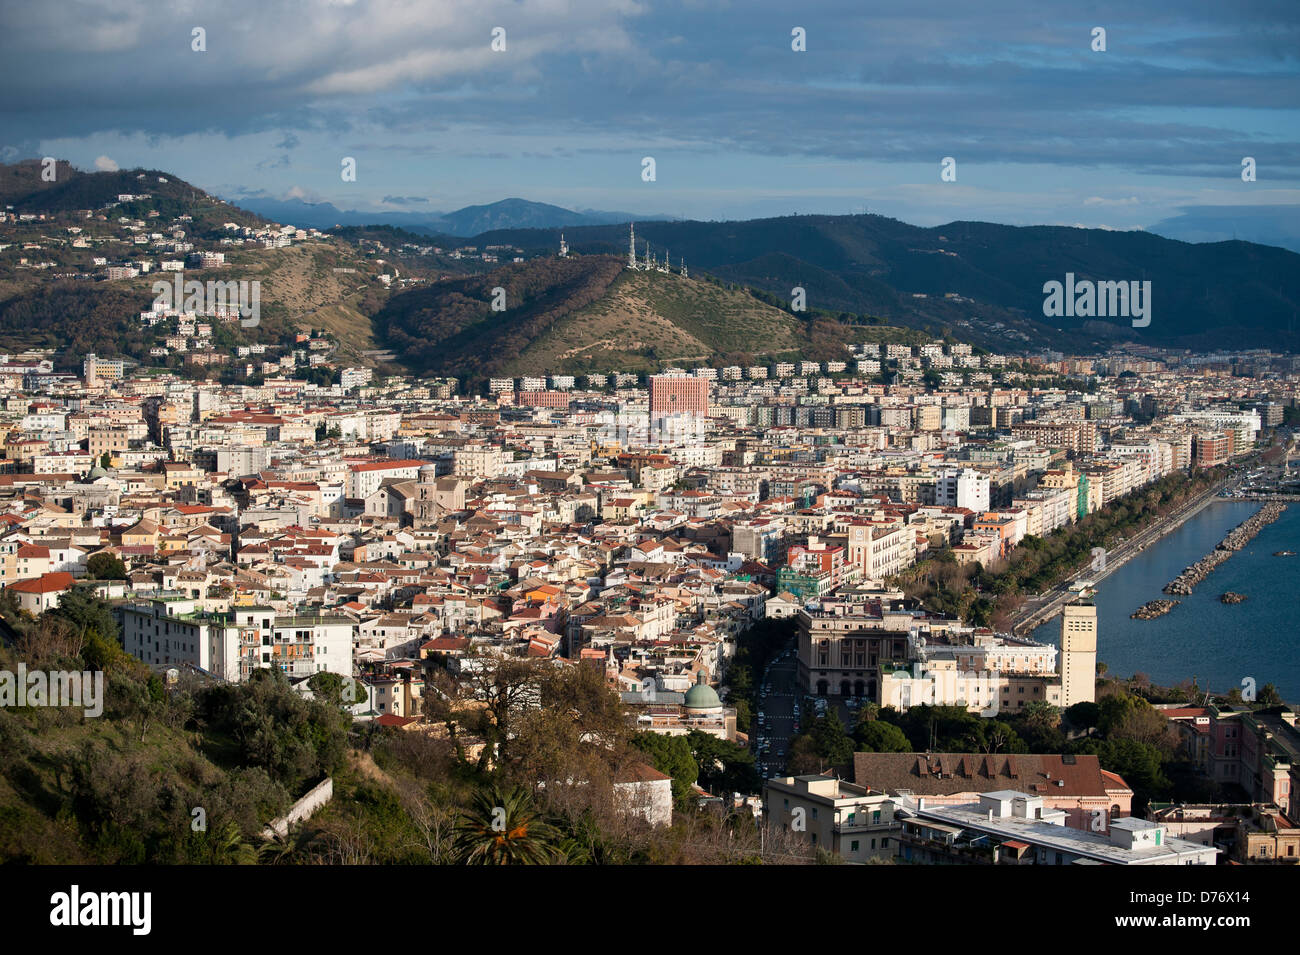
866	824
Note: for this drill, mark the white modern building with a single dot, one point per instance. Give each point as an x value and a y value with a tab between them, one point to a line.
1015	828
175	630
966	488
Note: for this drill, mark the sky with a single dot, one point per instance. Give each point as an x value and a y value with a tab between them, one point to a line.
1043	128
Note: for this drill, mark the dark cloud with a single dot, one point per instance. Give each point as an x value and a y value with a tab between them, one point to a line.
1183	89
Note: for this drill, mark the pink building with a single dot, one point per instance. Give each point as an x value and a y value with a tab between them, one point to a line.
673	394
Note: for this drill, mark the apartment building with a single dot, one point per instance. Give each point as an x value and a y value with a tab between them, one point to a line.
678	394
1078	651
965	488
171	631
853	822
365	479
1077	436
230	645
476	460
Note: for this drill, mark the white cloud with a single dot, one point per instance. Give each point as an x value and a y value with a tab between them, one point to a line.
104	164
306	195
1104	227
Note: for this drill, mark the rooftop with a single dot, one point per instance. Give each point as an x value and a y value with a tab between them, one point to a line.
1061	838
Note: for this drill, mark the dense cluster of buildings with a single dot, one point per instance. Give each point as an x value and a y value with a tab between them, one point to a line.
371	527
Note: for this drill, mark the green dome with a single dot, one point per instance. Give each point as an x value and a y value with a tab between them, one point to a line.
702	696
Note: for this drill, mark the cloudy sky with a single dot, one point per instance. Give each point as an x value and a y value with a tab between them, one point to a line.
1043	128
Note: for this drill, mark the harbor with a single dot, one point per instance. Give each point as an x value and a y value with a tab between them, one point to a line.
1219	644
1237	538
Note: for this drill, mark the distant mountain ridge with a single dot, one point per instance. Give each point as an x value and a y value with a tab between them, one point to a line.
976	282
1263	225
981	281
462	223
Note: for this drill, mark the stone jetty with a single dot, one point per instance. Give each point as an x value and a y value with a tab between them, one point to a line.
1154	608
1237	538
1232	598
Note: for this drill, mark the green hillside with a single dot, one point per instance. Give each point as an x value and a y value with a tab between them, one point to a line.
23	187
647	318
589	313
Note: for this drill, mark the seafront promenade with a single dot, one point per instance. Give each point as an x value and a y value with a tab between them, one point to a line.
1048	604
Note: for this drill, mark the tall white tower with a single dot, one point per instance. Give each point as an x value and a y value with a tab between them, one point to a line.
564	247
631	245
1079	651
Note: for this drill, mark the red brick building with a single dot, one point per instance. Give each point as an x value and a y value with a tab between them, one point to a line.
678	394
543	399
1212	447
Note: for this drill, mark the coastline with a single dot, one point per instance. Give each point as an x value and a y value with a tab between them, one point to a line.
1195	574
1118	558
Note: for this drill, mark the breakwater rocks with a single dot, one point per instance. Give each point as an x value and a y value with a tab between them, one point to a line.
1237	538
1153	608
1232	598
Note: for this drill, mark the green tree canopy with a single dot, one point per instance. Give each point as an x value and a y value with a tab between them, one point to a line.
724	766
878	736
672	756
106	566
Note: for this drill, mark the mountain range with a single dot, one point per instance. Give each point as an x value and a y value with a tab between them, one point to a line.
1265	225
980	281
463	223
788	286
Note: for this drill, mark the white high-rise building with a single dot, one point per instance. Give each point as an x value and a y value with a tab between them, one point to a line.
962	488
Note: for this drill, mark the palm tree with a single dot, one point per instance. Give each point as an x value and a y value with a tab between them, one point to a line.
297	845
572	851
503	828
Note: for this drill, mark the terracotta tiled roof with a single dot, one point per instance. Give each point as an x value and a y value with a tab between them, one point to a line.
45	584
938	774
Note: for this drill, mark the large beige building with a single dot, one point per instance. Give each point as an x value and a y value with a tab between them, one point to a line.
477	460
1079	651
842	649
881	548
1078	436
